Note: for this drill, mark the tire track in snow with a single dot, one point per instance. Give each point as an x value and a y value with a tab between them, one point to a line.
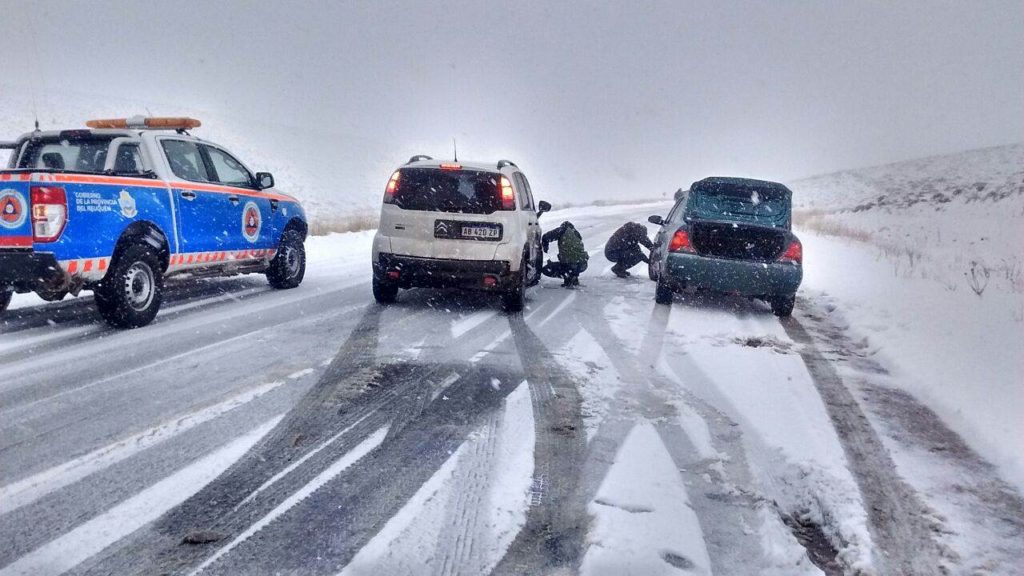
556	522
898	519
354	387
726	508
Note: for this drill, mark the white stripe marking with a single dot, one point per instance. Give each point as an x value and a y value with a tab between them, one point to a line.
80	544
339	466
299	462
28	490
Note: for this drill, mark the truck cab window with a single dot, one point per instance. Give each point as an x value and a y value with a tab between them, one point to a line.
185	160
228	171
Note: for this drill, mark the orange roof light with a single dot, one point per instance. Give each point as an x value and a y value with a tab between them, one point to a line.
142	123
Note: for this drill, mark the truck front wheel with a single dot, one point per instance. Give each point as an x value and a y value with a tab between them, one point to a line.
288	267
130	294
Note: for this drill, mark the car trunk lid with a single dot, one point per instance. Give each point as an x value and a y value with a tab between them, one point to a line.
737	241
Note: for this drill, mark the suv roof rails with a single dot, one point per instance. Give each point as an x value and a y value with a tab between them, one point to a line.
503	163
418	157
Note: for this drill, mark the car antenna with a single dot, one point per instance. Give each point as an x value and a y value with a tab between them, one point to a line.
455	151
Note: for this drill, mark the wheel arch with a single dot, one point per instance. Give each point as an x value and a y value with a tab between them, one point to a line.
297	224
143	231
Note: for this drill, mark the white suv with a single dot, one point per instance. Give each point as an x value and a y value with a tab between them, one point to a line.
458	224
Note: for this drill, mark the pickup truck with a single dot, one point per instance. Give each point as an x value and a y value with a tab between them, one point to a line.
118	207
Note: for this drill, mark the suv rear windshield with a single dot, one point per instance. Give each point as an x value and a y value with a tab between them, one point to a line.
435	190
74	154
761	205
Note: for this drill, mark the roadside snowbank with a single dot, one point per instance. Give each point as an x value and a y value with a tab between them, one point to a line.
959	353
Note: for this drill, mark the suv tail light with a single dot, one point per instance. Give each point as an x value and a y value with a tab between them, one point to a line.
680	242
794	254
391	188
49	213
508	197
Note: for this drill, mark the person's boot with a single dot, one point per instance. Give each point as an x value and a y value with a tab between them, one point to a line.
619	271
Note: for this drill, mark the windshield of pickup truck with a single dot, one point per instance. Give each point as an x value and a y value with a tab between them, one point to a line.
748	204
80	154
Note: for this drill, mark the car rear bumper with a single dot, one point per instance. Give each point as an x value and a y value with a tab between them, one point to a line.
415	272
25	270
733	276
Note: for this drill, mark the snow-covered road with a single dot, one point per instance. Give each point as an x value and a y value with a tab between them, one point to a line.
311	431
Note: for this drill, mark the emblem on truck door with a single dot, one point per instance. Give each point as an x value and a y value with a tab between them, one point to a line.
127	204
251	222
12	209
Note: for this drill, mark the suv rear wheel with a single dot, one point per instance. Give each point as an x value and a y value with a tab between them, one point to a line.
384	292
515	298
130	294
5	298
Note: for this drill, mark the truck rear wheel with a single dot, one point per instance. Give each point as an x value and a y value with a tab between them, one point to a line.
130	294
288	267
5	298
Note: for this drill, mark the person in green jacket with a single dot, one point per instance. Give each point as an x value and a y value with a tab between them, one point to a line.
572	256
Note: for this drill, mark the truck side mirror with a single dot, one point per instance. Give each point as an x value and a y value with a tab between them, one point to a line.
264	180
656	220
543	207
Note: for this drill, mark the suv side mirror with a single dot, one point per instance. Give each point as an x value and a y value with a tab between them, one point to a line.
543	207
656	220
264	180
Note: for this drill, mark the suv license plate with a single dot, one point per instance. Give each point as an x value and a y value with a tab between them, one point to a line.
462	230
482	232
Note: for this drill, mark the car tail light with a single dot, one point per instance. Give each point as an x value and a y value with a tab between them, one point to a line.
391	188
49	213
680	242
451	166
795	253
508	197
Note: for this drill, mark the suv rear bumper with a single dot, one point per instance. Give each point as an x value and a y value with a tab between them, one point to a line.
730	276
25	270
415	272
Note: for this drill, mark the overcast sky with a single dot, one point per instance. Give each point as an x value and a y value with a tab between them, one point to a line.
628	98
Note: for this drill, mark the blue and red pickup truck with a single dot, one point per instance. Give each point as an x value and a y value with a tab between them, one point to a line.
119	206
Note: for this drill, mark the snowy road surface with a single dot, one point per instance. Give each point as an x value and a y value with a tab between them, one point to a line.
311	431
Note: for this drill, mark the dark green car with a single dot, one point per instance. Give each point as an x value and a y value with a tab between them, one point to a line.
729	235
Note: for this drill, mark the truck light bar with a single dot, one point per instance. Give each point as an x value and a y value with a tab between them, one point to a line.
143	123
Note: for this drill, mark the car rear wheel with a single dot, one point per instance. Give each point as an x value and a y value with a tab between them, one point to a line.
782	306
514	300
288	267
663	293
130	294
5	298
384	292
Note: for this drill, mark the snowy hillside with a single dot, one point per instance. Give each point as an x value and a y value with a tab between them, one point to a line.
956	219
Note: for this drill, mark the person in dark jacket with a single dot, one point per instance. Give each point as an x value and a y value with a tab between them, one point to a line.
623	248
572	256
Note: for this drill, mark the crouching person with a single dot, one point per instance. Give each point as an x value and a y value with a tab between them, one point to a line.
623	248
572	256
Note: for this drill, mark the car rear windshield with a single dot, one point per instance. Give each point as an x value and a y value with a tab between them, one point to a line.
74	154
761	205
436	190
